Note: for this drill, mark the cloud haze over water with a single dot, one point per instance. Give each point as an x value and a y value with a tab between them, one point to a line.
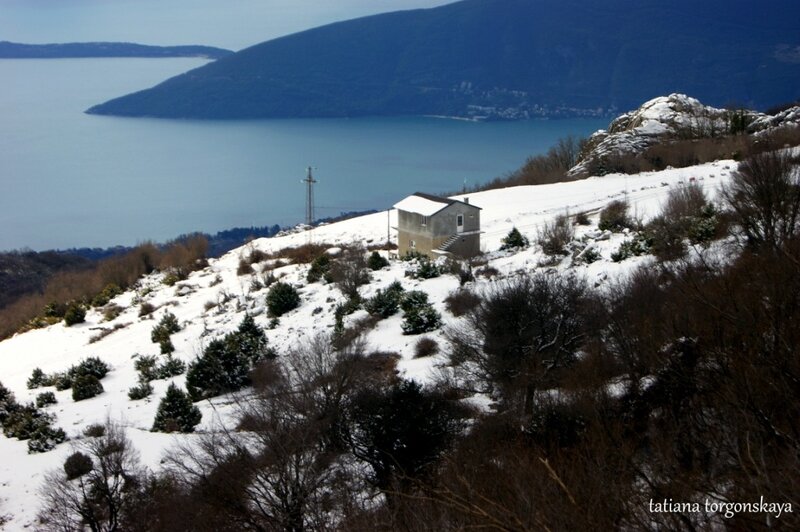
233	24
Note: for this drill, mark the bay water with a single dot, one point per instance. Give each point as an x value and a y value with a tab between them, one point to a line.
68	179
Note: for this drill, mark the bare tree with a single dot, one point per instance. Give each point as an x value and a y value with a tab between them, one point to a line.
764	195
521	334
284	468
96	487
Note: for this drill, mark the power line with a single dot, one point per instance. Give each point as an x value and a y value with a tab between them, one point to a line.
309	181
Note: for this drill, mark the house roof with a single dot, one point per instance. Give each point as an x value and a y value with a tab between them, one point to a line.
426	204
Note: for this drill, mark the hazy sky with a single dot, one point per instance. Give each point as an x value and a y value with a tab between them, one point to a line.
231	24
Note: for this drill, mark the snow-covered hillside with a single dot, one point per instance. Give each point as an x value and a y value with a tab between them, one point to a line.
213	301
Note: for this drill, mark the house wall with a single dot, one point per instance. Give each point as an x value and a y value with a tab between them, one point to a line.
429	233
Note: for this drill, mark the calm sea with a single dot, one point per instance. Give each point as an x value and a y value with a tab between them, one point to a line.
70	179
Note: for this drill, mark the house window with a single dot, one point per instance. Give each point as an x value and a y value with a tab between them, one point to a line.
424	221
412	244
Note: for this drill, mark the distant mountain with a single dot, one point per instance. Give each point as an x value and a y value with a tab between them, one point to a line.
13	50
499	59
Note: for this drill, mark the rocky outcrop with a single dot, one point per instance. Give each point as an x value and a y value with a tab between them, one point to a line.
672	118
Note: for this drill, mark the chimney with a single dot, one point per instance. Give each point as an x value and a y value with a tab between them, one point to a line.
466	200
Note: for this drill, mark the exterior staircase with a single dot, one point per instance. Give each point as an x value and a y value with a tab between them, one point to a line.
447	243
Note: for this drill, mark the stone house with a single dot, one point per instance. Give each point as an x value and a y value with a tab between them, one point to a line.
437	226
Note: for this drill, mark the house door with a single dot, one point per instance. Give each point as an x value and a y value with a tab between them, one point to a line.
460	223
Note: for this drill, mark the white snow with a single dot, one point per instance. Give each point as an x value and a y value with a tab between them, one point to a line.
420	205
57	347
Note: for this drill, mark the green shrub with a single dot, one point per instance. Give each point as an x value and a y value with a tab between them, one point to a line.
419	316
385	302
86	387
62	381
413	299
146	365
226	362
703	228
90	366
319	268
45	398
589	256
615	217
514	239
282	298
377	261
633	247
77	464
170	368
427	269
109	292
176	413
173	276
140	391
420	320
161	333
37	379
54	309
8	403
45	438
75	314
26	422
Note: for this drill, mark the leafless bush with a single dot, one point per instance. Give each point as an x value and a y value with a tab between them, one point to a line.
764	195
302	254
551	167
614	216
425	347
146	309
244	267
555	235
350	271
521	334
106	331
461	301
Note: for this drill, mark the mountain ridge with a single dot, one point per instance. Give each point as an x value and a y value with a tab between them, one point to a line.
13	50
495	59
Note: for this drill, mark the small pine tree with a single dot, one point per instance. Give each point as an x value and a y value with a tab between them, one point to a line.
385	302
319	268
282	298
170	368
176	413
38	378
514	239
86	387
45	398
75	314
377	261
161	333
140	391
419	315
90	366
421	319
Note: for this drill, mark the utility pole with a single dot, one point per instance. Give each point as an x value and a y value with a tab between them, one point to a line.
309	181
